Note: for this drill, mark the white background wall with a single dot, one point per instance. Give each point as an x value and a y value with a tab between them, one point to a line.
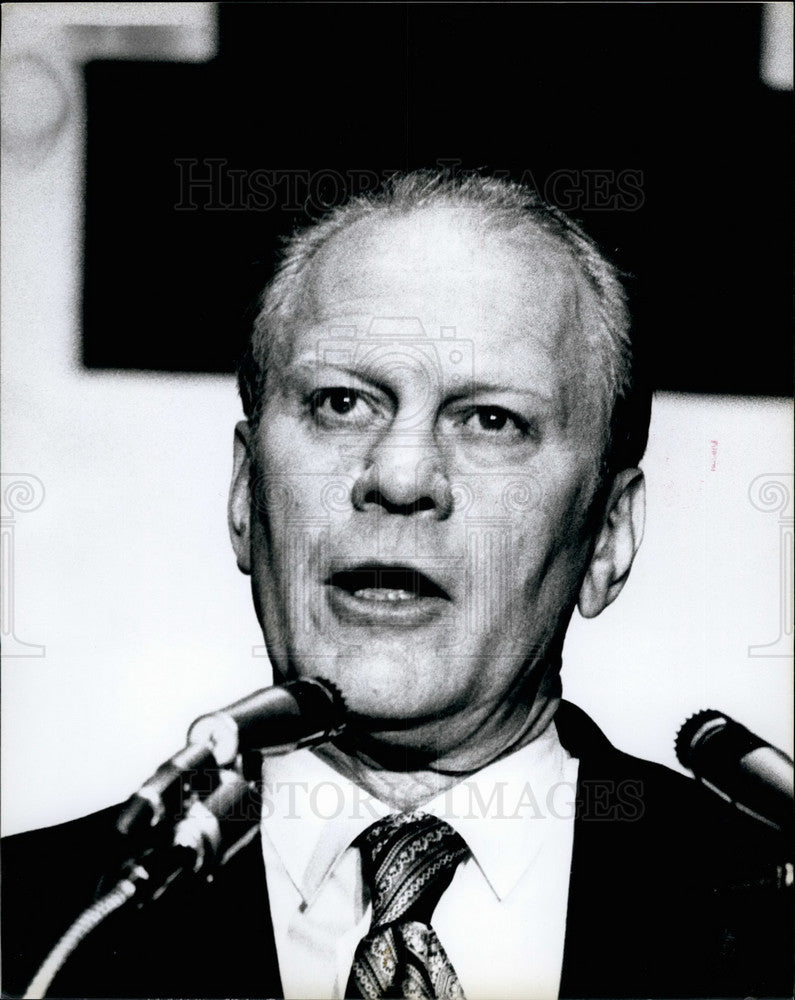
124	572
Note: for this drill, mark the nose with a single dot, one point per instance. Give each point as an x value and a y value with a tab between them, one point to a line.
405	475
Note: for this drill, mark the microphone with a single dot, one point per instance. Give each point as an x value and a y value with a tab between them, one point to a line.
738	764
274	720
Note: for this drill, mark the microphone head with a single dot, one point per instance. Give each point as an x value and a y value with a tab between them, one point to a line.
276	719
710	743
738	765
694	731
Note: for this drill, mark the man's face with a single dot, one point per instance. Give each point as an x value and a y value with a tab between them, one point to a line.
421	475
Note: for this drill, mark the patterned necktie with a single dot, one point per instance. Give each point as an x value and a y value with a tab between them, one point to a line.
408	861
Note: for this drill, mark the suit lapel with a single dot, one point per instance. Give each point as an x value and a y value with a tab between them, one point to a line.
613	920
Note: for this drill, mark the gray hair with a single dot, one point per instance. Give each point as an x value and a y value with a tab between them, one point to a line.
502	205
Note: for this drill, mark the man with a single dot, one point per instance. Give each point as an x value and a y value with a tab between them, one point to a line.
438	463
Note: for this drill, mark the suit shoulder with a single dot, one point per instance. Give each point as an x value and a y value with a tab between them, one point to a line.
49	876
76	847
670	883
710	824
662	812
97	822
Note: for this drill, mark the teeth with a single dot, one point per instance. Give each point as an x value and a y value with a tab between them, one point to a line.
383	594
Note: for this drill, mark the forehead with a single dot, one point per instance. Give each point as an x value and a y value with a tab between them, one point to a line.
517	298
446	259
446	266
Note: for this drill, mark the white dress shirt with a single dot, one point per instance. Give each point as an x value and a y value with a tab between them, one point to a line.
501	921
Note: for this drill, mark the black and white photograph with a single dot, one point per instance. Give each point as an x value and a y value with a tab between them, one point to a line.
397	500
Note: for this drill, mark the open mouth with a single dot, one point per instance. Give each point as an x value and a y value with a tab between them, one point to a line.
386	584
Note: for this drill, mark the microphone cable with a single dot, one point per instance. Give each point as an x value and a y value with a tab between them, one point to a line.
91	917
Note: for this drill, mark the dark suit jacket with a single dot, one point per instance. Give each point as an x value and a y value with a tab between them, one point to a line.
672	894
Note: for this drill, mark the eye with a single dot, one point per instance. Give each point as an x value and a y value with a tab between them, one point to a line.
339	407
491	419
338	400
495	421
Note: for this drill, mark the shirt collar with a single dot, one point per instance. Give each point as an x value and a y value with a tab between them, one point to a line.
510	809
311	815
505	813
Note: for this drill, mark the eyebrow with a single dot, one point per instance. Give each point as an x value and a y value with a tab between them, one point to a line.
475	388
463	388
311	366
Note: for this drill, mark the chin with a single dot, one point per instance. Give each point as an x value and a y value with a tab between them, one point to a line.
397	744
387	687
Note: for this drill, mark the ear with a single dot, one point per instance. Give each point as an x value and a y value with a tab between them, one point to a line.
239	506
617	544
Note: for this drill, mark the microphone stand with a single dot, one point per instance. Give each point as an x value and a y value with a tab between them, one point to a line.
211	830
176	828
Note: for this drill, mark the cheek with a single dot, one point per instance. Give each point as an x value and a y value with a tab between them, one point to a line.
551	543
289	472
300	498
289	446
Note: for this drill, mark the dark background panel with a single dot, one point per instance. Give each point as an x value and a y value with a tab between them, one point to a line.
647	122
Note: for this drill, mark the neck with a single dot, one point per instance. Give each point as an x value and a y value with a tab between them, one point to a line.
404	788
